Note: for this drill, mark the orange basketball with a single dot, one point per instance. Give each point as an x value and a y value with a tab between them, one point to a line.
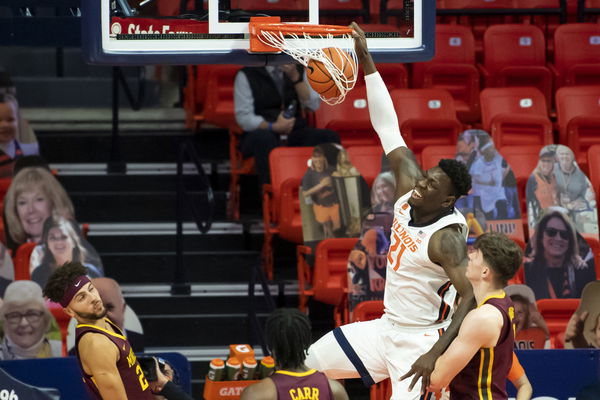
319	77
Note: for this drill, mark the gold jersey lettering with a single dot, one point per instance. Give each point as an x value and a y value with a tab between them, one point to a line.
304	393
131	359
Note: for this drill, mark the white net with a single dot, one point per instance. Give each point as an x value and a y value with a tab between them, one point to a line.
339	60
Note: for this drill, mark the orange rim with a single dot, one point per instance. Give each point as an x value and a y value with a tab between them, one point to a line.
336	30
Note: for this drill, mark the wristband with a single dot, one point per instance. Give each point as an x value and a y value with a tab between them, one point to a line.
270	126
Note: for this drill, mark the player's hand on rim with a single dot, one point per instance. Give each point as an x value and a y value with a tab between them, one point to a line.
360	41
422	368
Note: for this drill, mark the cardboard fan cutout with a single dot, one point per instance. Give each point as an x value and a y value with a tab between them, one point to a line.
557	180
493	203
558	261
367	261
333	196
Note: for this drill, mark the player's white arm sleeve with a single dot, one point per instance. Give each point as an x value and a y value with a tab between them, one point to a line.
383	115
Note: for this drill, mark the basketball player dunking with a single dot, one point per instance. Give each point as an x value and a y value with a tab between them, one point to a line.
426	266
109	366
477	363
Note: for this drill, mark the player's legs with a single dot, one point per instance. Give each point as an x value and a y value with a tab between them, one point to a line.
402	349
351	351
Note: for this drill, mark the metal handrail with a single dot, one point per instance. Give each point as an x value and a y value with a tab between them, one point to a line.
202	218
255	329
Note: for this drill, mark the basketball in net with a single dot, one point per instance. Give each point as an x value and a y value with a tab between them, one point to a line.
322	80
326	51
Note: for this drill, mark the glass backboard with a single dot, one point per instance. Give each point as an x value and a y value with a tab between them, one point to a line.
115	32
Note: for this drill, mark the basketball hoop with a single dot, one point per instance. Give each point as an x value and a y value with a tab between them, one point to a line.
306	42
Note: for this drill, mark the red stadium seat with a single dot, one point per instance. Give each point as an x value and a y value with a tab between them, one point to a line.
329	276
515	55
367	159
578	110
281	208
556	313
394	75
453	69
427	117
238	166
594	168
431	155
21	261
349	119
594	243
219	108
209	95
522	160
516	116
367	310
577	54
63	322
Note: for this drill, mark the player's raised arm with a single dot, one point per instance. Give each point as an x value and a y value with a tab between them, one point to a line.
384	119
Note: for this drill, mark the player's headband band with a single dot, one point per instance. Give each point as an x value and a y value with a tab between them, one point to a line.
73	288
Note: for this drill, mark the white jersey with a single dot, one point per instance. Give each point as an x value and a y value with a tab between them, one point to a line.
418	293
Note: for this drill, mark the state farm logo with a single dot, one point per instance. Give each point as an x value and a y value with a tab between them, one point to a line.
138	30
231	391
115	28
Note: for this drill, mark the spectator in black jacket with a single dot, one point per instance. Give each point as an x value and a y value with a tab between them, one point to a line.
261	95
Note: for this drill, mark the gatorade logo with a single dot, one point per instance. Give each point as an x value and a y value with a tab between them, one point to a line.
525	41
526	103
231	391
242	348
360	103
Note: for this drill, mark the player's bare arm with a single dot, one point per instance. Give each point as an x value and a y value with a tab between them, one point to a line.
480	328
448	249
385	122
339	393
99	358
263	390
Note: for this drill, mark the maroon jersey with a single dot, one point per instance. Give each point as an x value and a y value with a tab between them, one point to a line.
136	385
484	377
309	385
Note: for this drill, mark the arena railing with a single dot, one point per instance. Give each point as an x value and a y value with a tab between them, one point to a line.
202	211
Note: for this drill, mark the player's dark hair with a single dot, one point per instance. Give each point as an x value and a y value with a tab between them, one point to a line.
501	254
62	278
458	174
288	337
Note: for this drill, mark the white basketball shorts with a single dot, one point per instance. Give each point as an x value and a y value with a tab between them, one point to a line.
373	350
